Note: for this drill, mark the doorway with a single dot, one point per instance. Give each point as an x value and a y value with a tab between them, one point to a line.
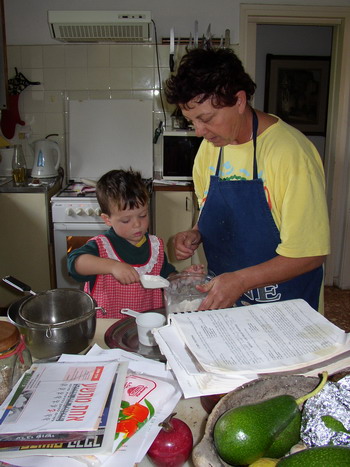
337	147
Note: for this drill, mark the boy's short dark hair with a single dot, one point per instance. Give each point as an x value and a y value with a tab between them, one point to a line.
124	188
217	74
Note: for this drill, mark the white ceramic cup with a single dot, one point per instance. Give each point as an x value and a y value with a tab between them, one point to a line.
145	323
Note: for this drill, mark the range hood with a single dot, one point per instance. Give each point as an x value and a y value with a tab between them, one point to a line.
100	26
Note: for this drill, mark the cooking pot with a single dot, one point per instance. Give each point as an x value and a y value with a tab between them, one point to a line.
54	322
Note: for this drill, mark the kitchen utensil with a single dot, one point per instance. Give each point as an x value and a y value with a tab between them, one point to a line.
172	50
73	338
127	311
208	38
17	284
145	322
195	40
251	393
123	335
227	38
54	322
47	157
153	282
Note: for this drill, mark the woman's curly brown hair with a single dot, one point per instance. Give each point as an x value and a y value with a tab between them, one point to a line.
217	74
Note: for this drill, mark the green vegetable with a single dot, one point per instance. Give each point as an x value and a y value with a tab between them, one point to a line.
324	456
244	434
334	424
286	439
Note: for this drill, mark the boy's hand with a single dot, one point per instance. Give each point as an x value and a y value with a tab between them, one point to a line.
125	273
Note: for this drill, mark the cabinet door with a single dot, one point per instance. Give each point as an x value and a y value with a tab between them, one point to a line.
176	211
173	213
24	243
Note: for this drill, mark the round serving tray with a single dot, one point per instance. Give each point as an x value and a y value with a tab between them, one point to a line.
123	335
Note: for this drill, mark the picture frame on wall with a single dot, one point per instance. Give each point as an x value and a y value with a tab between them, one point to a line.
296	90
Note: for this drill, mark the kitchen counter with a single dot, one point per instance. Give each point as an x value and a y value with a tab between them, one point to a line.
45	186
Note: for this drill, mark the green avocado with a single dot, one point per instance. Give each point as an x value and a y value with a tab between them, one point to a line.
243	434
286	439
323	456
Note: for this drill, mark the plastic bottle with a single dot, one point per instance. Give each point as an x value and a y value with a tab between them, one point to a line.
19	166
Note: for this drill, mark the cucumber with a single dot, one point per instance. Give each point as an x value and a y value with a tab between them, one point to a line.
322	456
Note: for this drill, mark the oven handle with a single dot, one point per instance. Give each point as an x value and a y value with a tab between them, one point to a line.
76	226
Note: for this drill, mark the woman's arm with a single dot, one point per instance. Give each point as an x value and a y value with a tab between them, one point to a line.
224	290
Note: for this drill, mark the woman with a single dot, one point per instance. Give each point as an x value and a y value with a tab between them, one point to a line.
260	185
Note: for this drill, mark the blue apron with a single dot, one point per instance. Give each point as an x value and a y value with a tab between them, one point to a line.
238	231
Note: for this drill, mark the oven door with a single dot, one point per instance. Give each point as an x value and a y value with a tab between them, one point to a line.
67	237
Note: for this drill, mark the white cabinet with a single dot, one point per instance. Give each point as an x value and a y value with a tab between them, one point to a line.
26	248
175	211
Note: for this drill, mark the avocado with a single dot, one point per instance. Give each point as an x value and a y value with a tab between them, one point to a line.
242	435
323	456
286	439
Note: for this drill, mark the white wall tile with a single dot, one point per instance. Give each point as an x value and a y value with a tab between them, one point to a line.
121	78
98	56
76	79
76	56
98	78
143	78
32	56
54	123
120	56
53	101
53	56
54	79
14	60
142	56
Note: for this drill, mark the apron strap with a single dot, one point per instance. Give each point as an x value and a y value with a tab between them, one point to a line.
255	134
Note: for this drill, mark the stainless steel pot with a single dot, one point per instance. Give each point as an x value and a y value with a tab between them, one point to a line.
72	338
54	322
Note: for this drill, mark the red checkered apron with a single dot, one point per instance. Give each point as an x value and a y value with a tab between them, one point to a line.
110	294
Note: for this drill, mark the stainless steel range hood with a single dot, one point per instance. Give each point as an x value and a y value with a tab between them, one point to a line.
100	26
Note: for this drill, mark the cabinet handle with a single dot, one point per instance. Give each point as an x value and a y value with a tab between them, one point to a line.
188	204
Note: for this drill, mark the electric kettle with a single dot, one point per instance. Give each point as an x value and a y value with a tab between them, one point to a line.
47	157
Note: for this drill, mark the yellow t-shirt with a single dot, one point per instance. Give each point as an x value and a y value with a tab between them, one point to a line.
293	176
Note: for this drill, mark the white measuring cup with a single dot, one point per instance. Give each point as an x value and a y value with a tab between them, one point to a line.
145	323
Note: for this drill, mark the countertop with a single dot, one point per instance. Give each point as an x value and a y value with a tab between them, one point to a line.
46	184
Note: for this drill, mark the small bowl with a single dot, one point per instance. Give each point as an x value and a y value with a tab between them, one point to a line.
204	454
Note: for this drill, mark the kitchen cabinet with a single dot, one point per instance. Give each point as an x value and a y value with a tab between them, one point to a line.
26	246
175	210
3	61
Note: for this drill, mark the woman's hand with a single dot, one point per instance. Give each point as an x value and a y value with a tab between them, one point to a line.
186	243
195	268
223	292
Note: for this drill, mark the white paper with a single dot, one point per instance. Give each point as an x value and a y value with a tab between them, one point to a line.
260	338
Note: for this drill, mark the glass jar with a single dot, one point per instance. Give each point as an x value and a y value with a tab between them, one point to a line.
19	166
15	358
181	294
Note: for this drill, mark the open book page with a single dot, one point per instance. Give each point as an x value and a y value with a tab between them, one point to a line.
194	380
260	338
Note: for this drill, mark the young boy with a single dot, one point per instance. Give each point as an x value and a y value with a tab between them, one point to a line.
110	264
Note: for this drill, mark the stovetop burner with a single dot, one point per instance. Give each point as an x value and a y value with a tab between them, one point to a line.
77	190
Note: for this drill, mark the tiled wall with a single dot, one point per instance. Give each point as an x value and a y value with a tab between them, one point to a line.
84	71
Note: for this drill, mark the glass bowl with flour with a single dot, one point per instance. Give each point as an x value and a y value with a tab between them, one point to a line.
181	294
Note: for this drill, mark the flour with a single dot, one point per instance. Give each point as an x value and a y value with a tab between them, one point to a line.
185	305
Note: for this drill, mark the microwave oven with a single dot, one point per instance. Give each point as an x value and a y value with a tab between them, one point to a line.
179	150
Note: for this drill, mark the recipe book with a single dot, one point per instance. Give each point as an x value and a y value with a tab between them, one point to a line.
215	351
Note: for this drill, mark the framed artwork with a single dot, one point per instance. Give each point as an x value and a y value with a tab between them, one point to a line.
296	89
